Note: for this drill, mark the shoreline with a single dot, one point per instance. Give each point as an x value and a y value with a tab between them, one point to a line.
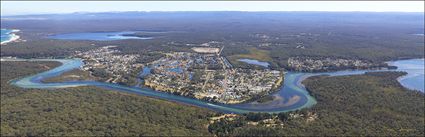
13	37
401	78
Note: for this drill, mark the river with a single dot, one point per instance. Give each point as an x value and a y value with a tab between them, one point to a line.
291	96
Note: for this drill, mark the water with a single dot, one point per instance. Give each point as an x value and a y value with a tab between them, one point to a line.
146	71
5	35
34	81
255	62
415	73
99	36
291	96
176	70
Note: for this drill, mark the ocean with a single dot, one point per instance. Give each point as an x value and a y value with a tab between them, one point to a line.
5	35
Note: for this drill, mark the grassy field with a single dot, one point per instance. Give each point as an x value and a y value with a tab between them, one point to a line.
254	53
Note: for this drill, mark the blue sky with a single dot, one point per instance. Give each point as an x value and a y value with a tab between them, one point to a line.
43	7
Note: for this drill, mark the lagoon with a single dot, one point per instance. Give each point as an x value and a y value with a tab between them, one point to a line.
255	62
98	36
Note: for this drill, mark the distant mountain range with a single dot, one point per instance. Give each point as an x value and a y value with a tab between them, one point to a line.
227	14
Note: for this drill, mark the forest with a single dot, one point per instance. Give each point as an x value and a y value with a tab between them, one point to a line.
281	34
89	111
373	104
360	105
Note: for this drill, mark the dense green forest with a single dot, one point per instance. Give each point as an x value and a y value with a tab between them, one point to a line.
89	111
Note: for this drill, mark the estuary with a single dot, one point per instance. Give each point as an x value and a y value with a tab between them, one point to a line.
291	96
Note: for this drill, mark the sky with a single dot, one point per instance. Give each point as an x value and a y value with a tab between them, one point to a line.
47	7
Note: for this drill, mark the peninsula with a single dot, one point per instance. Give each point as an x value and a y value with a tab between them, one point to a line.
208	76
202	74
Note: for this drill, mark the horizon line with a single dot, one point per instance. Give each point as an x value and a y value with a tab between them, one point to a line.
147	11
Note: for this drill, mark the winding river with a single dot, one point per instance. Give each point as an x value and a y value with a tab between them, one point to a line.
291	96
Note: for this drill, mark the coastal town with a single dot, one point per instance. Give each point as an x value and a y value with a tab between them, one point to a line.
308	64
201	74
207	76
107	64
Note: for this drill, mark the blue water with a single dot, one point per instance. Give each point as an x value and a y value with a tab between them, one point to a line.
415	77
5	34
145	71
176	70
99	36
255	62
291	96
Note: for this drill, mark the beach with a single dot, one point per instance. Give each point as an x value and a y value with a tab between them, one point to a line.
13	37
